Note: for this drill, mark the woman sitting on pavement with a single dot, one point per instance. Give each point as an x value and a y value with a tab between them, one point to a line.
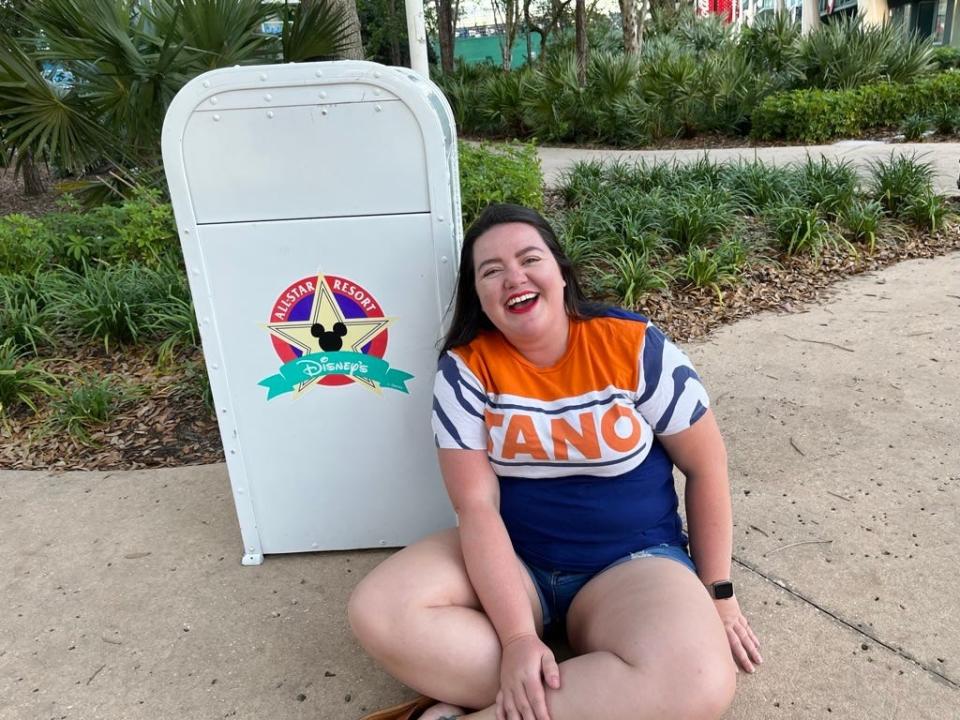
558	424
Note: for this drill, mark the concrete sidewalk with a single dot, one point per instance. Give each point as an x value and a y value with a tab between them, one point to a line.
945	157
124	597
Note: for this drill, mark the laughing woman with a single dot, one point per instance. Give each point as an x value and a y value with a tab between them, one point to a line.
558	424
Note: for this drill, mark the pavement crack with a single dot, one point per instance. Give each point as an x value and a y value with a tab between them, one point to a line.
859	630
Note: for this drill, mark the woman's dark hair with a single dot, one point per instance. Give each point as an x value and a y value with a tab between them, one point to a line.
468	317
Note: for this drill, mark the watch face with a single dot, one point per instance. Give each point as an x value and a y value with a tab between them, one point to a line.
723	590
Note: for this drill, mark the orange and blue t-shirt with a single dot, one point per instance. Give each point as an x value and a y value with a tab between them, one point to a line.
583	479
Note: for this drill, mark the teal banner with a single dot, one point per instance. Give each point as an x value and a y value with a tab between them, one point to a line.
314	365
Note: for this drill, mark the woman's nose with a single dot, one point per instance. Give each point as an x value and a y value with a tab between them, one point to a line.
515	275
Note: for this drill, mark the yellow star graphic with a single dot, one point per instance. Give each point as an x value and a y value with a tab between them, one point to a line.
326	312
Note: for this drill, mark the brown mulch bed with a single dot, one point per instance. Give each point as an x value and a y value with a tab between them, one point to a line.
12	199
164	423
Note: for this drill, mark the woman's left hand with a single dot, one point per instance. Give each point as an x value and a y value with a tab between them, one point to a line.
743	643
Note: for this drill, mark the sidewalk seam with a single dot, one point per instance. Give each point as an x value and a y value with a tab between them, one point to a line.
859	630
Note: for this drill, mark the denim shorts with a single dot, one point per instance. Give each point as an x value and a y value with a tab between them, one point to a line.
556	588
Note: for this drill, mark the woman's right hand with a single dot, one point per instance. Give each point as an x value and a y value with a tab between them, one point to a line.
526	665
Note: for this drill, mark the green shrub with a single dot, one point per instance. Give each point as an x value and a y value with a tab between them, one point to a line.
21	379
24	245
896	182
946	57
498	174
818	115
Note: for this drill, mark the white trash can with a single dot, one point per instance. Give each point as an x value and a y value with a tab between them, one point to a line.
319	213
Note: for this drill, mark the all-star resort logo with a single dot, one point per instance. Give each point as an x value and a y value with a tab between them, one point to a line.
329	331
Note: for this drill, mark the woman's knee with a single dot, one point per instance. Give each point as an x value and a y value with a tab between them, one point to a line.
703	690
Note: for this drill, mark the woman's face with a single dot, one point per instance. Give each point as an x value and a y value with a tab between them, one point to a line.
519	284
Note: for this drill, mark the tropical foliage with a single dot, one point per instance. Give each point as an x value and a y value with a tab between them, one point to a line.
694	76
122	61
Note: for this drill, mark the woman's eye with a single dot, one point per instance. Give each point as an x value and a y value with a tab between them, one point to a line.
530	260
489	272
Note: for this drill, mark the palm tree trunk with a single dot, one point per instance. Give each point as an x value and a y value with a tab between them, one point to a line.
33	184
581	39
445	29
629	15
354	48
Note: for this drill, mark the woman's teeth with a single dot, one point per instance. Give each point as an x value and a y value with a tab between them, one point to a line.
520	300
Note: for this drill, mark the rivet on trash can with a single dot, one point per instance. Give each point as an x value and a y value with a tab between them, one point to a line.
379	108
268	97
444	260
376	91
439	218
214	101
323	94
206	321
206	83
323	112
383	542
263	76
214	366
376	74
270	114
251	549
196	271
234	452
239	491
319	73
216	118
314	545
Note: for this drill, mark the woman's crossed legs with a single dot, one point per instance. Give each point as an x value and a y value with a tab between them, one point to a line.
648	640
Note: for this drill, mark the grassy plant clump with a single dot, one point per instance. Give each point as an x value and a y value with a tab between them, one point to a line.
914	127
862	219
107	303
927	211
24	318
21	379
498	174
88	403
897	181
829	185
170	318
756	186
946	119
696	219
713	267
631	275
799	230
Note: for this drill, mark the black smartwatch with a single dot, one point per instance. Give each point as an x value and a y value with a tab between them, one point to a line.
720	590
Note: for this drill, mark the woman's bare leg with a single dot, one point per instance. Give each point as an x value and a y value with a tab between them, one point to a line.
418	616
652	647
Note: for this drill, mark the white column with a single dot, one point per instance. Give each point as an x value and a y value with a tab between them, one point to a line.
873	12
417	34
809	16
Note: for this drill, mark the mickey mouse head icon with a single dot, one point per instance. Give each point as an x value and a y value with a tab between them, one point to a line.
330	340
